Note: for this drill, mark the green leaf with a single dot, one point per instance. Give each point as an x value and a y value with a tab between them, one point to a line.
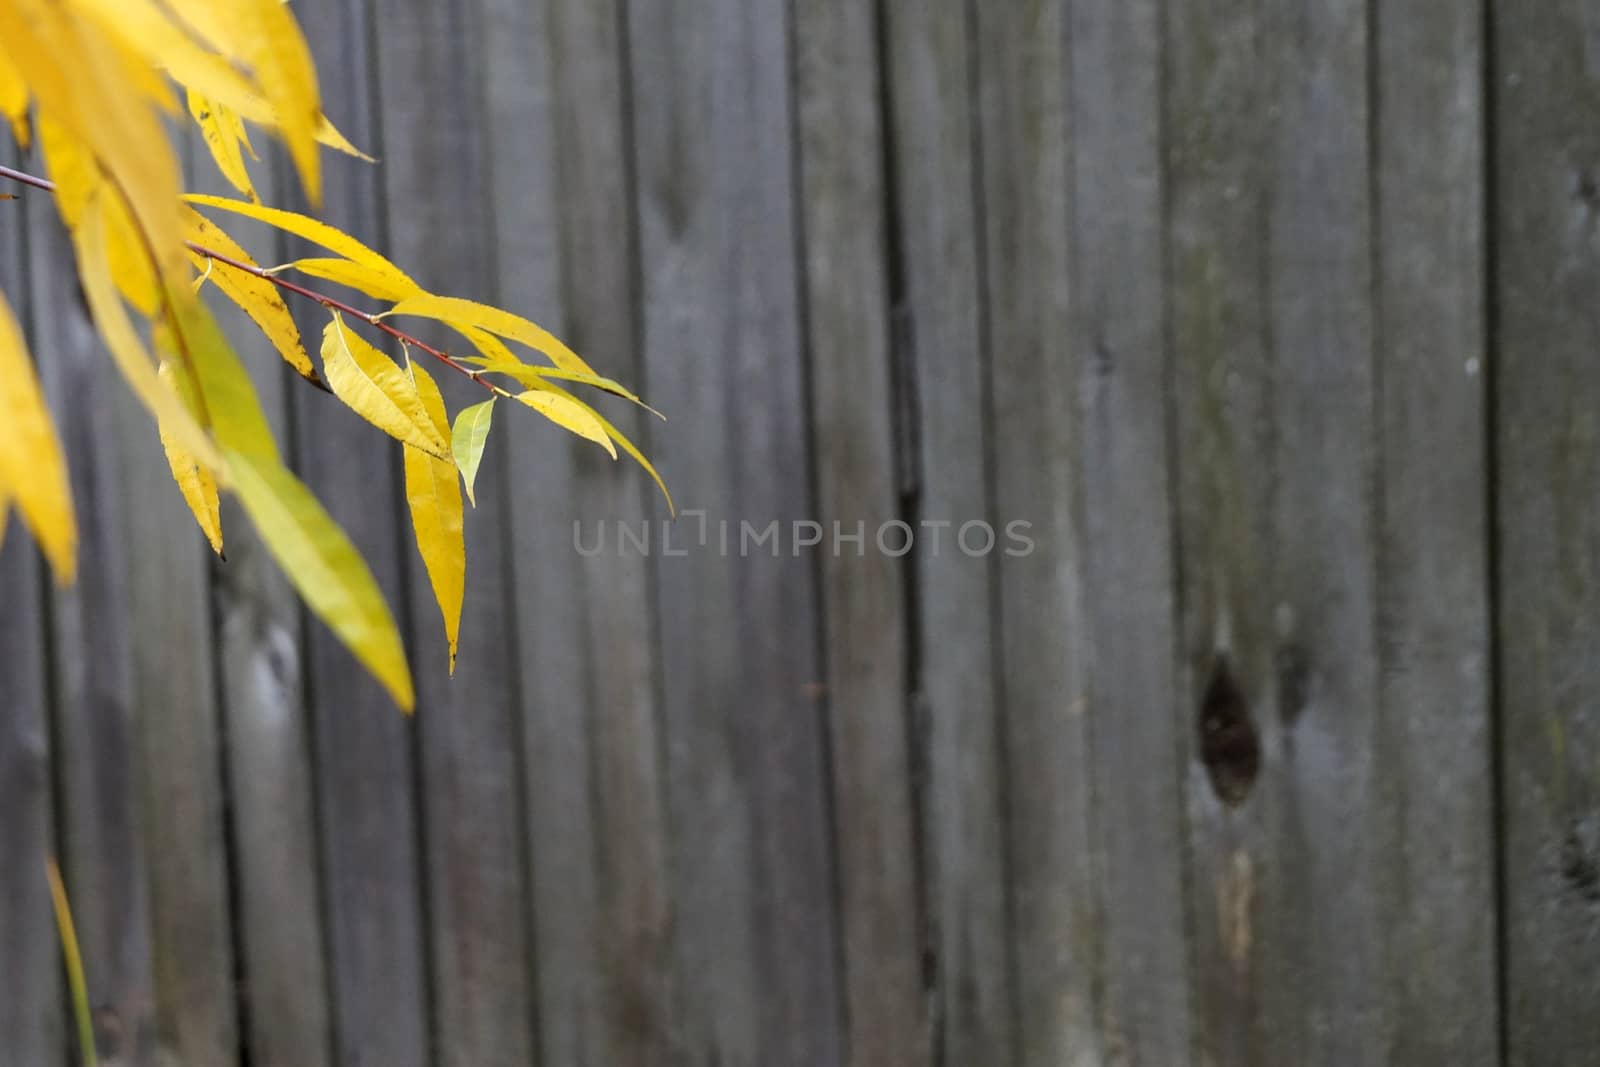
324	568
468	439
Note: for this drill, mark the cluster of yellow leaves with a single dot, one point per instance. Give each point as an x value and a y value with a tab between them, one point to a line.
94	80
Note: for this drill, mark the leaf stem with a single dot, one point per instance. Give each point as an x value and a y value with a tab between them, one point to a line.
331	303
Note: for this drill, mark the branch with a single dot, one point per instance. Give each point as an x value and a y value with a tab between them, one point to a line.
325	300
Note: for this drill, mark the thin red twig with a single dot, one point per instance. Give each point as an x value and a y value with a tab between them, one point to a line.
325	300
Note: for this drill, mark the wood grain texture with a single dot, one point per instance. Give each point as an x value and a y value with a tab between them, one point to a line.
1121	459
1025	104
30	985
435	181
721	341
1432	749
365	772
1546	99
844	206
932	60
596	808
283	988
1271	275
95	718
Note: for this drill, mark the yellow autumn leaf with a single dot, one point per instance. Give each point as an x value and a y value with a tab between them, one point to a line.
461	314
358	276
328	134
79	79
145	28
534	377
622	442
14	100
324	567
256	296
313	230
272	45
569	414
33	474
468	440
223	390
123	341
198	487
77	177
221	130
375	388
436	515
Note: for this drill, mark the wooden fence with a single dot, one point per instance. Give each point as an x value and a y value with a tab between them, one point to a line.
1278	321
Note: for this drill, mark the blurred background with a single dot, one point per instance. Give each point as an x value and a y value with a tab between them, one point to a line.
1278	323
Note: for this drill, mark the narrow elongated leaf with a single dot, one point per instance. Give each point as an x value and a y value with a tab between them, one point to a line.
72	959
77	177
436	516
256	296
220	129
272	45
33	473
373	387
324	567
533	377
569	414
468	313
80	80
126	346
622	442
14	100
224	392
359	276
313	230
198	487
468	440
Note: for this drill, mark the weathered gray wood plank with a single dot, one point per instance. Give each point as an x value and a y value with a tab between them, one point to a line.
1271	274
938	171
1120	369
1038	360
283	989
178	756
440	226
30	987
96	727
1435	791
843	198
366	815
561	195
1546	99
721	333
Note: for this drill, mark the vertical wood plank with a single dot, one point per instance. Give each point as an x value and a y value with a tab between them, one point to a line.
842	193
177	754
30	986
367	815
1432	746
932	59
96	721
441	226
1271	262
721	339
281	966
1045	633
1120	371
1546	99
561	197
